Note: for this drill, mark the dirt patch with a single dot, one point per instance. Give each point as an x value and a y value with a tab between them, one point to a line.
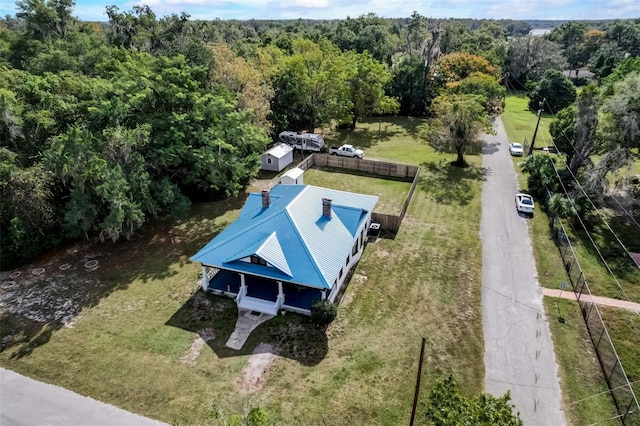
382	253
347	297
191	355
53	291
251	377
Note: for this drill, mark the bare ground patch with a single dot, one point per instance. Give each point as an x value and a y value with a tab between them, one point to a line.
51	291
251	377
191	355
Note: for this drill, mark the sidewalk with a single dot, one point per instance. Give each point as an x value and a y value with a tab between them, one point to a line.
24	401
604	301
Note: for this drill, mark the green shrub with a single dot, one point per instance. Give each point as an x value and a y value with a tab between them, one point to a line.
323	312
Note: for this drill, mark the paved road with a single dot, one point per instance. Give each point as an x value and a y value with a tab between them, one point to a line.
24	401
519	353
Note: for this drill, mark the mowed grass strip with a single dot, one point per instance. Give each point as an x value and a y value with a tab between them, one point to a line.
126	348
624	329
391	192
585	394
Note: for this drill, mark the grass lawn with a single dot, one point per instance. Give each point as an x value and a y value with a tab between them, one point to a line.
391	192
626	285
624	330
136	317
520	121
585	394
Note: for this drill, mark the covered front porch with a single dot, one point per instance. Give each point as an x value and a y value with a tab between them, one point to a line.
260	294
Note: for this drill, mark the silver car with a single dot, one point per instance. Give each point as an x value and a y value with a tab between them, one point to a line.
515	149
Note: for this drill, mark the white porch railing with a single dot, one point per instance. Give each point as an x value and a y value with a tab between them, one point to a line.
259	305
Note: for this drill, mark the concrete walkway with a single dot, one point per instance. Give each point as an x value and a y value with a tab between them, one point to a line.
519	355
246	323
24	401
598	300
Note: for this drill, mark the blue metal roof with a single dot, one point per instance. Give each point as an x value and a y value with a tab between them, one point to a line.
299	244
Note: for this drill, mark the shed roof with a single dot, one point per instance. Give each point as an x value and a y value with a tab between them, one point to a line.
280	150
294	173
299	244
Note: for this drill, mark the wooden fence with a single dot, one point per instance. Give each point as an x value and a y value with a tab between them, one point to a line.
388	222
381	168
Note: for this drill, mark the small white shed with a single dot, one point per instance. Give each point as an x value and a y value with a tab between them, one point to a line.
277	158
293	177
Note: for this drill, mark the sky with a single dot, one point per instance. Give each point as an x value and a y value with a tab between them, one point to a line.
94	10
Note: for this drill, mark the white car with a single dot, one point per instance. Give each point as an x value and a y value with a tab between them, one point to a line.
515	149
524	203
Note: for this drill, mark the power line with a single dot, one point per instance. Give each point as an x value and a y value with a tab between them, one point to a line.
622	207
588	234
600	215
583	159
592	204
596	210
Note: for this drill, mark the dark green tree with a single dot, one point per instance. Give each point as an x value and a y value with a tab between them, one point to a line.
26	206
586	140
459	121
447	406
52	18
557	91
367	79
311	87
563	130
529	57
542	176
571	36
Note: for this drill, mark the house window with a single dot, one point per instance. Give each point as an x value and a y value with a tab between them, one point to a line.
354	250
347	262
340	274
257	260
269	160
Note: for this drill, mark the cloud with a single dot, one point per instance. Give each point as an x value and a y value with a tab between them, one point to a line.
340	9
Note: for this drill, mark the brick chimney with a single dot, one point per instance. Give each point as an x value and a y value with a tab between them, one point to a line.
326	207
266	199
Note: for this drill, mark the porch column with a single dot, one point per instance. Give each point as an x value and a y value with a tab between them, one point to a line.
243	286
324	294
280	293
205	279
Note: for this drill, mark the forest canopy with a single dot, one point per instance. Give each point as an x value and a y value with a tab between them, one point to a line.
105	125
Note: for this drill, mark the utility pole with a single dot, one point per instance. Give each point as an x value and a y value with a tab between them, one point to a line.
535	132
417	391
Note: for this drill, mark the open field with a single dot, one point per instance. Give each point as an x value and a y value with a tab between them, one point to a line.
136	332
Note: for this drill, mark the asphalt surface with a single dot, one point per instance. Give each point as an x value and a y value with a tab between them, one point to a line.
519	354
24	401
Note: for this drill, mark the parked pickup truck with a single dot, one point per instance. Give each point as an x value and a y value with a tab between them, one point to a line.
346	151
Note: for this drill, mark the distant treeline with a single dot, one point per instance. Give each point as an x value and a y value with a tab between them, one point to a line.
104	125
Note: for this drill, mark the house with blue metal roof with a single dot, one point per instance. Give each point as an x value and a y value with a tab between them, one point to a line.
289	247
